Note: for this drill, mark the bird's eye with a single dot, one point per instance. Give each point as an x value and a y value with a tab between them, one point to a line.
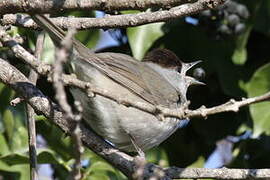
178	69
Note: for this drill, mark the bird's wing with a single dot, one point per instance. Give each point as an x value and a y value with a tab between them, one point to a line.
135	76
120	69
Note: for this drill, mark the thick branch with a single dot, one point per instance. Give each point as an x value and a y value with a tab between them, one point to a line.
117	21
52	6
223	173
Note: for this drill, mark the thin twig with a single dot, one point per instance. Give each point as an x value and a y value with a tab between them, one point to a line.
31	128
33	76
230	106
61	56
117	21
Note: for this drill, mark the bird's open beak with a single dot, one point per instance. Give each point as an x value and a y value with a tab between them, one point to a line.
187	66
193	81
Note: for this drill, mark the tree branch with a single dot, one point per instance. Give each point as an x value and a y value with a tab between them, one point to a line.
117	21
222	173
51	6
61	56
31	124
230	106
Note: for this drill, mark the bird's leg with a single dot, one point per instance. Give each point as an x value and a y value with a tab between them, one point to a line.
138	149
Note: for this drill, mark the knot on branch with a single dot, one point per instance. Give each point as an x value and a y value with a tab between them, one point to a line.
159	113
148	170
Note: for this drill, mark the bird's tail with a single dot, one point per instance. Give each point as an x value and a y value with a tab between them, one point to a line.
57	34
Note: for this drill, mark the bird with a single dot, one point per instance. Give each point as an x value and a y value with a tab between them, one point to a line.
159	79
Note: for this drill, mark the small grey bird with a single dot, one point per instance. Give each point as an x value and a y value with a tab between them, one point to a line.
160	79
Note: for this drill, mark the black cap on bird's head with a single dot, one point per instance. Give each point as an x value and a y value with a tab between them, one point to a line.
164	58
168	59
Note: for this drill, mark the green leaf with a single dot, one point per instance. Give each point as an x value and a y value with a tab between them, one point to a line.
20	136
239	55
23	170
4	145
199	163
55	139
48	51
2	128
8	121
15	158
240	52
12	125
6	94
158	156
48	156
88	37
98	176
101	166
88	154
258	85
44	156
142	38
